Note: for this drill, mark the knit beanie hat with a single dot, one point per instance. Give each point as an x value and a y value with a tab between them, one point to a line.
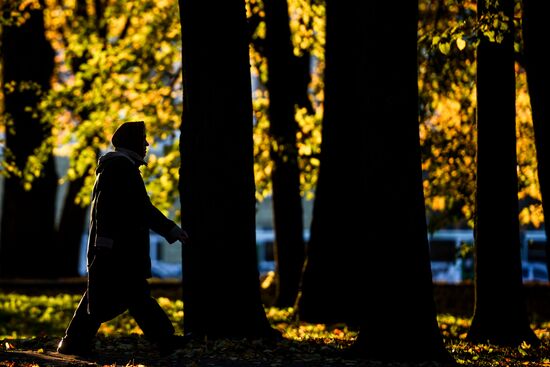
130	135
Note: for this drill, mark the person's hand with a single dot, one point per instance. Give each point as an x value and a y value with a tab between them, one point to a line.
183	237
178	234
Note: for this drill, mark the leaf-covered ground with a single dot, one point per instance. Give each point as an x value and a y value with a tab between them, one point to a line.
30	328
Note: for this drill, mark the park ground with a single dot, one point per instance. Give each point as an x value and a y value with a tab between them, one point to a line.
31	326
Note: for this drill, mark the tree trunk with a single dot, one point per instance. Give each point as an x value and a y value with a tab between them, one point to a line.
217	180
498	277
26	243
397	277
538	81
370	128
331	276
287	202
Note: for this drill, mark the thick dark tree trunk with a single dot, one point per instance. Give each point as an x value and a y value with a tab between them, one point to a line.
26	244
371	137
287	201
498	277
535	42
217	178
397	274
330	281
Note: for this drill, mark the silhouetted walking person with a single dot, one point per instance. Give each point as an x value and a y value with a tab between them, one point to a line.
118	249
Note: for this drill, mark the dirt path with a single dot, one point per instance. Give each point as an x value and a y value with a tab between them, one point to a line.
133	350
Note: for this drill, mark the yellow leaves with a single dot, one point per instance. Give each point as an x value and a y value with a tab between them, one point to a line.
438	203
444	47
523	348
444	43
29	4
307	24
460	43
268	280
532	215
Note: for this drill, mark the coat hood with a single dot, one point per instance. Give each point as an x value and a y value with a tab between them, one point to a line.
129	135
125	153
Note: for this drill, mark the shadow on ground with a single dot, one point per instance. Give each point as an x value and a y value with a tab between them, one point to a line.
134	350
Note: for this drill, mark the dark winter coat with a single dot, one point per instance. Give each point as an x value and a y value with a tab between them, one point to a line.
118	244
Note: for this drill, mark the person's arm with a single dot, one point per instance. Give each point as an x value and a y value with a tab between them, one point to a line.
165	227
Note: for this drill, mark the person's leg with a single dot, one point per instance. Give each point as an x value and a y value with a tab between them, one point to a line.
80	332
148	314
154	322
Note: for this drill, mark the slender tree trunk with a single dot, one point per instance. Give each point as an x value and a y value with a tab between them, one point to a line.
397	277
535	41
498	277
301	77
28	215
287	201
217	180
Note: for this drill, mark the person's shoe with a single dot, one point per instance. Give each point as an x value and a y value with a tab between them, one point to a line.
66	346
172	344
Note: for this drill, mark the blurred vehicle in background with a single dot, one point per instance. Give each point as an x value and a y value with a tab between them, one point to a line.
451	255
452	259
533	259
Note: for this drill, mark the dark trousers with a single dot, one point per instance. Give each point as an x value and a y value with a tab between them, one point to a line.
150	317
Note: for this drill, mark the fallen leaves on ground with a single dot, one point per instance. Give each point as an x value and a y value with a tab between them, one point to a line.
30	328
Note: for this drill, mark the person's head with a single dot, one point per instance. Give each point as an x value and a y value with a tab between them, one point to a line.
131	135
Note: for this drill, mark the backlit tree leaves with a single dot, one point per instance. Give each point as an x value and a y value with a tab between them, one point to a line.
125	65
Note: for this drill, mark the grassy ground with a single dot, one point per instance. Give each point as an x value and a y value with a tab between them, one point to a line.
30	328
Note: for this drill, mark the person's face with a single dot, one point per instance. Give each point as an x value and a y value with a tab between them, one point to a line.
145	145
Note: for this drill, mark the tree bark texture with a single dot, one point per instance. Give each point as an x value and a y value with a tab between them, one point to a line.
331	279
217	180
371	138
397	277
26	243
498	277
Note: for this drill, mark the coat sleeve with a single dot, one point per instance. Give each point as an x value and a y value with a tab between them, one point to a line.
162	225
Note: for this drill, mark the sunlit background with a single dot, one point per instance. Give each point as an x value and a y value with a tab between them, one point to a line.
127	66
